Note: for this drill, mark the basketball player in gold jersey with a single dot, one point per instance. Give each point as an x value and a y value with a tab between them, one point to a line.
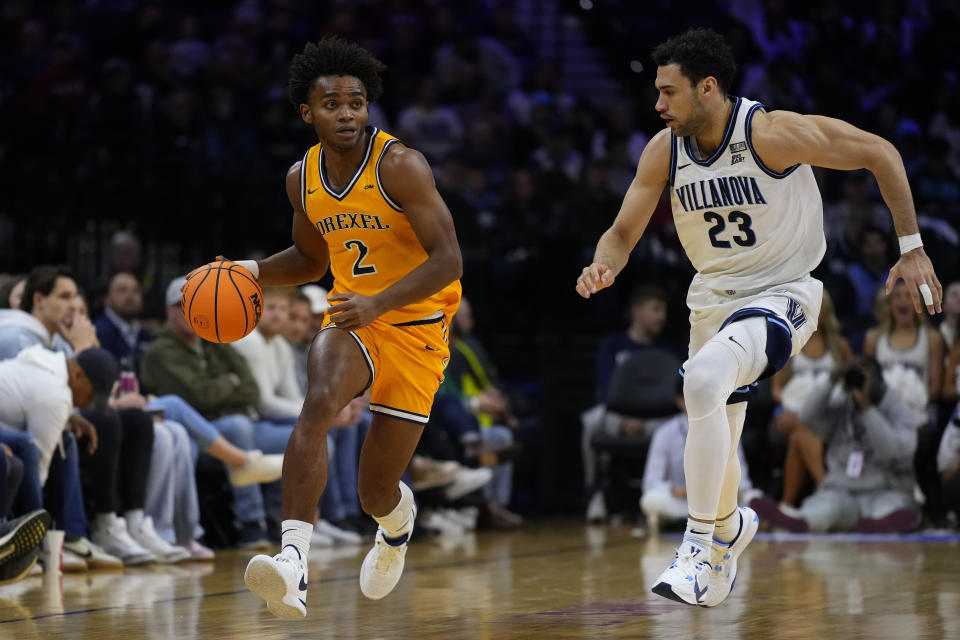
365	206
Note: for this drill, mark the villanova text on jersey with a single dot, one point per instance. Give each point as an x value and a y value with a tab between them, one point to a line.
720	192
743	225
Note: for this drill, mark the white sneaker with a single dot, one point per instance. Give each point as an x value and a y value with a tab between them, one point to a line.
115	540
439	522
724	556
383	564
146	536
339	536
467	481
281	581
687	579
93	556
258	469
320	539
465	517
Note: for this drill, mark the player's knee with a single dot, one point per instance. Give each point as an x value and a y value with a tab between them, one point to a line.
320	407
702	391
376	495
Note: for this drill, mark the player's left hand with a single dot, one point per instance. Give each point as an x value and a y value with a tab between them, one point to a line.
350	311
916	270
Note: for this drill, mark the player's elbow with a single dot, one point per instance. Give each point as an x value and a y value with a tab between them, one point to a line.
455	264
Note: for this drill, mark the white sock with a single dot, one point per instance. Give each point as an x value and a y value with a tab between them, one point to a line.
295	539
134	518
397	522
727	529
700	532
104	520
705	463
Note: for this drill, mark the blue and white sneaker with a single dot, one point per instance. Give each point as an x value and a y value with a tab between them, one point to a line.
687	580
724	556
281	581
383	564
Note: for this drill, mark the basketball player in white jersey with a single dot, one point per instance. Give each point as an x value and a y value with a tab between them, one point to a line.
749	216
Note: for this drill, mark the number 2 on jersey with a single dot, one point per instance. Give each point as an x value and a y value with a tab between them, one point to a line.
362	250
739	218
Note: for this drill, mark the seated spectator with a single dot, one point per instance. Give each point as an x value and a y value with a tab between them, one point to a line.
871	436
113	471
648	316
471	377
911	351
215	380
948	464
869	272
664	497
270	360
318	306
11	292
171	485
118	327
826	350
43	316
951	314
905	338
299	334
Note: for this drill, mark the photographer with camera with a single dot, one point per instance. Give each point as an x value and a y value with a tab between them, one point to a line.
871	436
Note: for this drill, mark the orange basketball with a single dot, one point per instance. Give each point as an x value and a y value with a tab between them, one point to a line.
222	301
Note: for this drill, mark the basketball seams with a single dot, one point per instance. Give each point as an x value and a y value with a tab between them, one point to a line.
216	308
252	280
195	291
243	303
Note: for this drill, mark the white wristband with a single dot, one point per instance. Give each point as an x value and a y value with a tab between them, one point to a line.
910	242
252	266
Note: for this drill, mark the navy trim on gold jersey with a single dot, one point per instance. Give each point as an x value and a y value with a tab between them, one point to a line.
383	192
363	165
414	323
303	181
756	158
723	145
673	157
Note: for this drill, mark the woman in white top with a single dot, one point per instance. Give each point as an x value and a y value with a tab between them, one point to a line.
904	338
826	349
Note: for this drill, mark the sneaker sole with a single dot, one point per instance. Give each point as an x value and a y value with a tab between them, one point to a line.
262	579
24	569
27	536
663	589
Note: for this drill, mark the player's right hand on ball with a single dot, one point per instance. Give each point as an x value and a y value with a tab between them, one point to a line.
593	278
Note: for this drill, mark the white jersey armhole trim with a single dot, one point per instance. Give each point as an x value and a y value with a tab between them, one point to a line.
756	157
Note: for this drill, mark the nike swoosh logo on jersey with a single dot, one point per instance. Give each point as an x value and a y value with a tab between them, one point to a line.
303	583
312	190
429	348
730	338
684	165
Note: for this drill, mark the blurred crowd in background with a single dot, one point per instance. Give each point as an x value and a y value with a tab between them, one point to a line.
145	138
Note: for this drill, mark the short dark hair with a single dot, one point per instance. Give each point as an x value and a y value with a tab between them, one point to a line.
7	288
333	57
42	280
646	292
300	296
700	53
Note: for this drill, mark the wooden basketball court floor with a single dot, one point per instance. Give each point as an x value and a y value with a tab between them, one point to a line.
553	580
